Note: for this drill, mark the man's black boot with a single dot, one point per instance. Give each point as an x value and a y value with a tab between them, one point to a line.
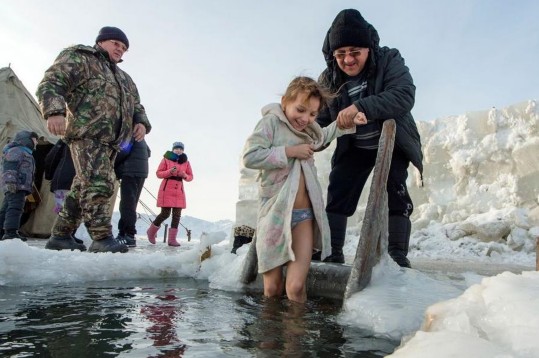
77	240
337	226
12	234
108	244
335	257
63	243
399	228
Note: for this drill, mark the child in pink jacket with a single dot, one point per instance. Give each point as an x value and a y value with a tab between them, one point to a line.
174	169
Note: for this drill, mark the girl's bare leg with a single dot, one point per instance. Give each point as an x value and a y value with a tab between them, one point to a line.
296	272
273	282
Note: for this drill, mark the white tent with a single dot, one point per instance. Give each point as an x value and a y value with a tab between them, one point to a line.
20	111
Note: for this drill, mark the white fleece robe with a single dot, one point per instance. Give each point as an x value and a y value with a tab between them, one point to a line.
278	184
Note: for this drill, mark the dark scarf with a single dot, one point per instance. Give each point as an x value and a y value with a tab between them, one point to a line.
180	159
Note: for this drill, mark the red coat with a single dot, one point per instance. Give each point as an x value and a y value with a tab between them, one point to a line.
171	193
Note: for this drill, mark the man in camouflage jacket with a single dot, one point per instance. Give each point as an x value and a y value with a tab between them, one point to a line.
88	99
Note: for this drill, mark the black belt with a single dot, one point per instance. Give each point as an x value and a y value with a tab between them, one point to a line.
176	178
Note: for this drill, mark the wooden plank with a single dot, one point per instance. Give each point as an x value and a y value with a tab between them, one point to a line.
374	237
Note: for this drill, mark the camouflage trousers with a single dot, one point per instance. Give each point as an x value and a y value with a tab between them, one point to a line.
89	199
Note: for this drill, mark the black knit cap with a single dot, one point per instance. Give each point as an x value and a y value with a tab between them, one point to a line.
349	29
112	33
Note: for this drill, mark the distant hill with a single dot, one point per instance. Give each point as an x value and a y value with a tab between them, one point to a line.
197	226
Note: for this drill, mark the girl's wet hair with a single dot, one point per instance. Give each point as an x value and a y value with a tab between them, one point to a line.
303	84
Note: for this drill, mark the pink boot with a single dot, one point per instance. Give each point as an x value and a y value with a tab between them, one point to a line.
152	232
172	237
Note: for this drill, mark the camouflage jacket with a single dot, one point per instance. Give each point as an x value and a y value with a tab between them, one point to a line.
99	100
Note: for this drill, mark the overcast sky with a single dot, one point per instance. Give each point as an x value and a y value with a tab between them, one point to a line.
205	68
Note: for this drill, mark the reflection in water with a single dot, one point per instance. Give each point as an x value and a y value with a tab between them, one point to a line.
287	319
281	328
172	318
163	315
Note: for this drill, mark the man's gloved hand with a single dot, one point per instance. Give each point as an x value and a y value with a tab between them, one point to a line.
11	187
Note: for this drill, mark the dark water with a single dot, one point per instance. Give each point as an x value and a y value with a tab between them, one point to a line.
172	318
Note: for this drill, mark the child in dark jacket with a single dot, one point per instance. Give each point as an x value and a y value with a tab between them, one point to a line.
18	168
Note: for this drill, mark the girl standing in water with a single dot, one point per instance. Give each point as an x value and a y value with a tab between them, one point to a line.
291	216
